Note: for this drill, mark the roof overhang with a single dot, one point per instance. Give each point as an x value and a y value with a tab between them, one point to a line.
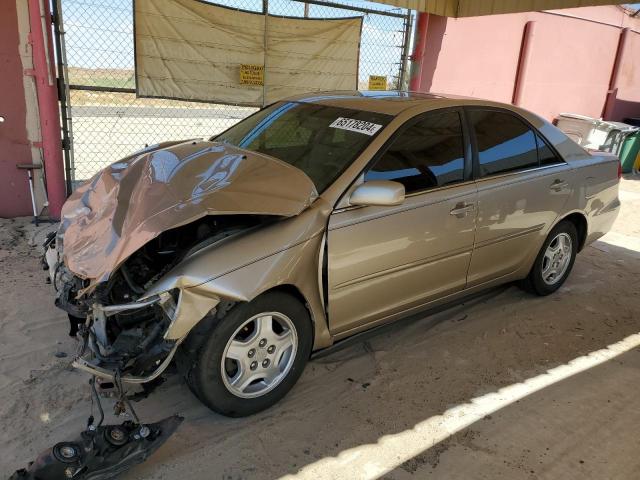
473	8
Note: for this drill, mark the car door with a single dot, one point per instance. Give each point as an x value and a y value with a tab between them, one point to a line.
522	185
385	260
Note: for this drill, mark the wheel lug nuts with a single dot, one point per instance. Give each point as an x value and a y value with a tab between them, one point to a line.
251	353
265	363
263	342
254	365
271	349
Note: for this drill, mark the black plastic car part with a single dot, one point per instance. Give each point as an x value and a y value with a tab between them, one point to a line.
100	453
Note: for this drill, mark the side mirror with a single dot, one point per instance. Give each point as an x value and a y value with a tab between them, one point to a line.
379	193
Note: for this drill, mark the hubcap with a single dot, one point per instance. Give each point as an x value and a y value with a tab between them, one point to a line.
556	259
259	354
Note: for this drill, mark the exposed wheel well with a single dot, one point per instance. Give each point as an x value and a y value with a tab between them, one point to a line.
580	223
294	292
291	290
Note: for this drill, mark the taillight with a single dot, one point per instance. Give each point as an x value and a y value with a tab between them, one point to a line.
619	169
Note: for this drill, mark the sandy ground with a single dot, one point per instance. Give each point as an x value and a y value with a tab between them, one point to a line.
374	389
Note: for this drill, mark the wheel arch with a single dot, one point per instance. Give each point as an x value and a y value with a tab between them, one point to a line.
579	220
295	292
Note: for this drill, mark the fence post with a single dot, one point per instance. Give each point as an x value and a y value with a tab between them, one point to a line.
419	46
404	58
265	11
63	94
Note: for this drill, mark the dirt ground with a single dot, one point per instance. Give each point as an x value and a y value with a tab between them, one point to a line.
376	388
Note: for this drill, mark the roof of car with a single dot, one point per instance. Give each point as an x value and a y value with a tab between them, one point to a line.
390	102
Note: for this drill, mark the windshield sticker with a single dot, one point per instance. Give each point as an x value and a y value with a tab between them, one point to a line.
353	125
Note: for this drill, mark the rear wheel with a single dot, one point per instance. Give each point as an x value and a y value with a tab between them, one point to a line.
555	260
253	356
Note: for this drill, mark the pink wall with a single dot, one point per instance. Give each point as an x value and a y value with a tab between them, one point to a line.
568	68
14	142
627	95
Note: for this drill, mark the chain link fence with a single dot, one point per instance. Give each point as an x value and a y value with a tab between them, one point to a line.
109	122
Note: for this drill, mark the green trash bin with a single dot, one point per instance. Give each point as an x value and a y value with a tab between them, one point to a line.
629	151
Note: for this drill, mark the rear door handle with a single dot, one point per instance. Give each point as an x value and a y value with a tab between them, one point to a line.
558	185
462	209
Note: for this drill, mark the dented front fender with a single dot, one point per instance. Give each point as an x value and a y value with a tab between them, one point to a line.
238	271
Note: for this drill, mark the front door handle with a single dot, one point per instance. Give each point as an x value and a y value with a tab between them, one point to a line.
558	185
462	209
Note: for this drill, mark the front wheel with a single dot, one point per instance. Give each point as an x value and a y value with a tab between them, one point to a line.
253	356
555	260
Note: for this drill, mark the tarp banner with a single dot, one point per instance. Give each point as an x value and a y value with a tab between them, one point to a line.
191	50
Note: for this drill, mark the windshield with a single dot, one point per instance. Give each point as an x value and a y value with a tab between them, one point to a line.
319	140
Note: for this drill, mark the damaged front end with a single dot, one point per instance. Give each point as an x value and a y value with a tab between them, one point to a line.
123	232
122	329
126	267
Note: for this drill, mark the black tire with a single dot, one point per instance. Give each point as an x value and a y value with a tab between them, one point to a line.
201	360
535	282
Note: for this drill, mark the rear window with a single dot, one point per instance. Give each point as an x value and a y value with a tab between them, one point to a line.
504	142
320	140
545	154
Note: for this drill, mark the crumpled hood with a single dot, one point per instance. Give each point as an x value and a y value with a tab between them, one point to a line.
133	201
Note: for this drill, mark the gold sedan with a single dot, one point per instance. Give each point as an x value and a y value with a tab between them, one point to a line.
314	219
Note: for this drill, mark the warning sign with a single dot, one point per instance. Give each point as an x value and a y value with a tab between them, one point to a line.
251	74
377	82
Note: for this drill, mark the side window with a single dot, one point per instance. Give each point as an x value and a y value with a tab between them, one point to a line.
545	154
428	154
505	143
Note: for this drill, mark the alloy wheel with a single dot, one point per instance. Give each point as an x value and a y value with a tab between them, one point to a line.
556	259
259	355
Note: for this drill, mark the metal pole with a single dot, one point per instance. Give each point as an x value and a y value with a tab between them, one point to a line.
63	93
404	58
419	47
40	23
265	11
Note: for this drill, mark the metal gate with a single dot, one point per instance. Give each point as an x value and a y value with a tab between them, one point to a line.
102	118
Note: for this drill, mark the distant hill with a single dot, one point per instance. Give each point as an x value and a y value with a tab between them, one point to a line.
102	77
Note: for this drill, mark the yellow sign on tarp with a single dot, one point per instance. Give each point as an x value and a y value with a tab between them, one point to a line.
251	74
377	82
